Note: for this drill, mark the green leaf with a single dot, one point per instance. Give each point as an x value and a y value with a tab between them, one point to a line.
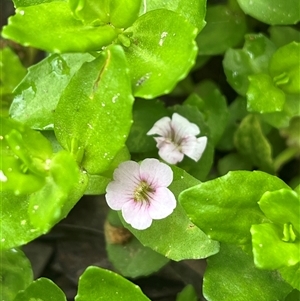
15	273
273	12
154	51
145	114
231	275
98	284
251	142
282	119
184	239
96	184
23	3
94	113
187	294
269	250
263	96
193	11
284	68
129	257
212	103
11	71
25	154
50	204
41	289
282	35
233	161
118	13
225	213
294	295
36	97
225	25
292	276
254	58
30	27
281	207
237	111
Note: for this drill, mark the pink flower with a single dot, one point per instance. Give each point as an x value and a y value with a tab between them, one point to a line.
141	192
178	138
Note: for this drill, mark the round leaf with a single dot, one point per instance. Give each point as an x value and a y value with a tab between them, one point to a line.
232	275
284	68
98	284
41	289
225	213
263	96
15	273
31	25
156	62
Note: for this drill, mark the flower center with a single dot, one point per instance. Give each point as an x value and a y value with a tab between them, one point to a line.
142	192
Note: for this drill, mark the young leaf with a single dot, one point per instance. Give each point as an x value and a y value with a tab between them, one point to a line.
225	213
252	59
15	273
120	14
31	26
184	239
232	275
99	284
263	96
26	155
94	112
36	97
273	12
154	51
41	289
251	142
284	68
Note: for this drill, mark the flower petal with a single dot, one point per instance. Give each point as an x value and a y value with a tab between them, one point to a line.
161	127
170	152
136	214
117	194
156	173
194	147
128	173
183	128
162	203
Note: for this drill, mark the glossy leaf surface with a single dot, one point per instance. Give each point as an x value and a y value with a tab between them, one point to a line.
98	284
273	12
41	289
16	273
224	213
241	280
252	59
154	51
193	11
284	68
30	27
93	115
36	97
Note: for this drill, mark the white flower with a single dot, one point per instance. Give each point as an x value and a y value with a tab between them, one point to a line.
141	192
178	138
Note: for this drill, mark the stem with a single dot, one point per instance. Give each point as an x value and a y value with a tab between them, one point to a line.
284	157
